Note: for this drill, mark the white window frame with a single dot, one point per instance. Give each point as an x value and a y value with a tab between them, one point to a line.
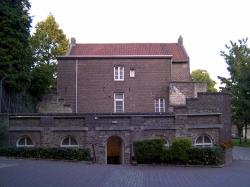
132	73
25	142
116	99
69	145
120	73
203	144
158	103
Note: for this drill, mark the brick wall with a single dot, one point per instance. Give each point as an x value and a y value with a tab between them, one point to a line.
180	71
96	85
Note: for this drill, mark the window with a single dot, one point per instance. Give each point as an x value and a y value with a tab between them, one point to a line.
119	102
160	105
132	73
69	142
118	73
166	144
24	142
203	141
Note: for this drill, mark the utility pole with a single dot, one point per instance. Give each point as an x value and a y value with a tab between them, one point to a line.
1	91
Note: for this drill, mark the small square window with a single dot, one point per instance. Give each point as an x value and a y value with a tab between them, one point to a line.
132	73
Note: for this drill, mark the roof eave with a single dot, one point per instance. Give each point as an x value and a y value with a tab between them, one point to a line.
114	56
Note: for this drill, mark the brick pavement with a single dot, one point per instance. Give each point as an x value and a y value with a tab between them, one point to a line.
30	173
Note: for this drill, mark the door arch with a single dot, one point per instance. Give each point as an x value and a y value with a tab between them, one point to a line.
114	150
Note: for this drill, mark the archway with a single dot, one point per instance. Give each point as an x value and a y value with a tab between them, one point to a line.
114	150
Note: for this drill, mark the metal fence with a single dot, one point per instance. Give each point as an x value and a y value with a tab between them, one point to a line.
14	102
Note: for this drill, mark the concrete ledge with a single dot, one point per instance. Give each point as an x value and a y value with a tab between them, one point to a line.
114	128
55	129
13	129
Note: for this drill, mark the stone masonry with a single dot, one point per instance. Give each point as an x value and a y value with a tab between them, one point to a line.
93	130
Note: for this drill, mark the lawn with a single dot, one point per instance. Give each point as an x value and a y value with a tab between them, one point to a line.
236	142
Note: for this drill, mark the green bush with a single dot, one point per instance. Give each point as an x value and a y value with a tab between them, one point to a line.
205	156
148	151
167	156
47	153
179	150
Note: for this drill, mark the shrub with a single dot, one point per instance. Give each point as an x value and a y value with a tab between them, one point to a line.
205	156
47	153
179	149
148	151
167	156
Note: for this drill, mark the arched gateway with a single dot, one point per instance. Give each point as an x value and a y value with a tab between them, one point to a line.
114	150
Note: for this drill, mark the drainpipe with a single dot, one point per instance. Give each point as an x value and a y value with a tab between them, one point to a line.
1	91
76	99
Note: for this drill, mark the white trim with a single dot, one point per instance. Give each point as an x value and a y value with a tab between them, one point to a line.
132	73
76	104
203	144
115	100
157	102
25	142
69	145
120	73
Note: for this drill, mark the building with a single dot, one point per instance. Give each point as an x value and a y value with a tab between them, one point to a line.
119	93
108	78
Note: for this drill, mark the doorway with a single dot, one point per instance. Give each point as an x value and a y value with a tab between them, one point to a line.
114	150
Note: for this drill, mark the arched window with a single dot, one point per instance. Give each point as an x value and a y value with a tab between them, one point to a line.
24	141
69	141
203	141
166	144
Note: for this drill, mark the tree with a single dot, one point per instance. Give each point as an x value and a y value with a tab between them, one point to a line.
203	76
15	54
238	84
47	43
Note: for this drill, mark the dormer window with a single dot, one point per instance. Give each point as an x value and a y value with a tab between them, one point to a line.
119	73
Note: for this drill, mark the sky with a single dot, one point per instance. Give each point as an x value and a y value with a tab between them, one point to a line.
206	26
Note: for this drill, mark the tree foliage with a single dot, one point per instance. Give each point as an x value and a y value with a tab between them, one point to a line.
237	58
15	54
203	76
47	42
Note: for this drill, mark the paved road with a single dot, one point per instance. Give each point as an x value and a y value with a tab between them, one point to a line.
241	153
31	173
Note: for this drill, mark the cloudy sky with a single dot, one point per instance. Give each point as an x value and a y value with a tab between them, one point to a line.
206	26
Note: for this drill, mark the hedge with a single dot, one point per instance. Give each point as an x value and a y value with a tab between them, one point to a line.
148	151
180	152
47	153
205	156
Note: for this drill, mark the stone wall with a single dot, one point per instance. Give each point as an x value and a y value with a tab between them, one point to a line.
208	114
180	91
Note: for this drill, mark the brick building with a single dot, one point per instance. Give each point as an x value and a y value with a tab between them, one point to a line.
119	93
122	77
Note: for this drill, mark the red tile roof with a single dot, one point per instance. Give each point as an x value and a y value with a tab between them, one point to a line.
176	50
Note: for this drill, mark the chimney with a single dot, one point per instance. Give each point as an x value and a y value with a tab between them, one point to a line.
180	40
72	41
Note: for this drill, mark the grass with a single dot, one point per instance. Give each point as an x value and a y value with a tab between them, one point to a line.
236	142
